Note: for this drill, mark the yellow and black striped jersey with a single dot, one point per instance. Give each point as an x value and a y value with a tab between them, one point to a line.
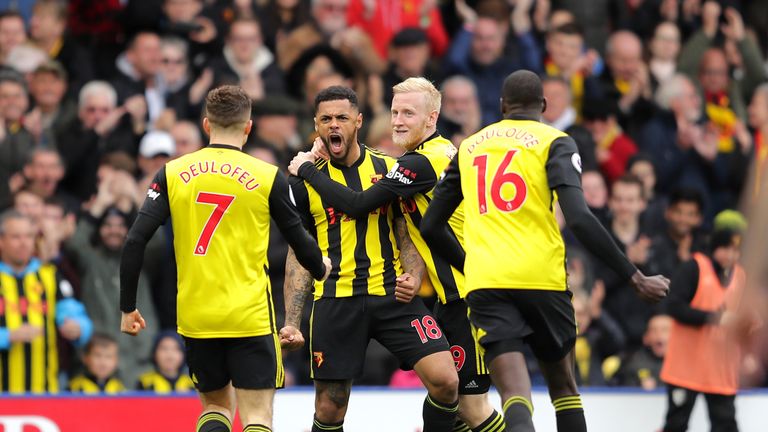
88	384
363	251
411	180
34	298
159	383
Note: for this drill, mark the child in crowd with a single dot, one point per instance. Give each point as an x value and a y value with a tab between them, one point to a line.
168	374
101	360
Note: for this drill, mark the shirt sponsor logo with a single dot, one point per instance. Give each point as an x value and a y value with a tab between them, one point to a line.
401	174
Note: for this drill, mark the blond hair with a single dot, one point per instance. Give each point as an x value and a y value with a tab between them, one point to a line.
420	85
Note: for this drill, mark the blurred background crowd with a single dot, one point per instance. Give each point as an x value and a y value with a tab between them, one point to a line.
666	99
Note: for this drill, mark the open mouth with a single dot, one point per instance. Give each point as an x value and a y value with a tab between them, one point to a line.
335	143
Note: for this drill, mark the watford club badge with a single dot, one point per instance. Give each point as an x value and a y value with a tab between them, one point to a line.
318	358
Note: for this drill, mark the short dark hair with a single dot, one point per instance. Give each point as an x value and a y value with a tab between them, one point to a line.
687	195
99	340
632	179
243	21
569	28
523	90
11	13
227	106
10	75
639	157
333	93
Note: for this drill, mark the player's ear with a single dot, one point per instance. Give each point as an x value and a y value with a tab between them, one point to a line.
206	126
314	119
359	121
543	104
248	127
432	119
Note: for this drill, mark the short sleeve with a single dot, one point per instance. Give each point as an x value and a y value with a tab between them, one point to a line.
564	163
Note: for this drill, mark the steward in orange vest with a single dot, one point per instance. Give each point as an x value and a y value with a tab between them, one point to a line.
700	357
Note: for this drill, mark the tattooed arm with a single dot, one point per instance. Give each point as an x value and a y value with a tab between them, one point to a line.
298	285
409	282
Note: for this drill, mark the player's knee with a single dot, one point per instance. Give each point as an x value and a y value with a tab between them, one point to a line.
443	385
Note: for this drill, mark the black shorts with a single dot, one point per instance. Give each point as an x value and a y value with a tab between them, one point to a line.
250	362
473	375
507	318
342	327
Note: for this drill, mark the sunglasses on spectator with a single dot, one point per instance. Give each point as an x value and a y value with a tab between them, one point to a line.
176	61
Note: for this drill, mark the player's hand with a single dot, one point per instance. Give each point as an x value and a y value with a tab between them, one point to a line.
24	333
291	338
407	288
299	160
328	266
319	150
650	288
70	329
132	323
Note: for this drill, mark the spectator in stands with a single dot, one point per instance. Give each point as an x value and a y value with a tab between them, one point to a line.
599	337
627	203
42	174
101	360
380	135
168	374
96	246
641	368
191	21
328	25
32	320
248	63
626	80
12	33
477	52
101	128
47	29
186	135
614	148
758	121
52	113
279	17
382	20
567	59
24	59
16	143
139	69
409	57
701	357
560	114
460	109
724	94
57	224
176	81
652	220
275	127
596	195
664	48
156	148
29	204
681	239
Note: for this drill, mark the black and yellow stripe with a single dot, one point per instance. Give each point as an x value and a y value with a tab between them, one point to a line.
363	251
256	428
30	299
325	427
518	400
460	426
213	417
88	385
280	371
441	407
495	423
567	403
477	334
156	382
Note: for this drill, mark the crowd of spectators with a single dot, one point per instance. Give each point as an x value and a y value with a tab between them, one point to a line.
666	99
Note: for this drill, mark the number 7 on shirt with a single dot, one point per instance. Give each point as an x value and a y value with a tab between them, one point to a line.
222	203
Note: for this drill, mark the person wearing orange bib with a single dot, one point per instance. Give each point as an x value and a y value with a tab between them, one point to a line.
701	357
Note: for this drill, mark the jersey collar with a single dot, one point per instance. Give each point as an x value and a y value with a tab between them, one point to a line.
431	137
32	267
224	146
357	162
521	117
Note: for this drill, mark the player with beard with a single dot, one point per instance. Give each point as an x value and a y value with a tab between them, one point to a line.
363	298
415	109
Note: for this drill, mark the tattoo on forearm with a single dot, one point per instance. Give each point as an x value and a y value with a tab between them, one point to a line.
298	284
409	256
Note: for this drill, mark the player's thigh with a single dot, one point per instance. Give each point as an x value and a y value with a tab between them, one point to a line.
255	406
255	363
339	336
498	323
466	352
207	363
551	316
407	330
